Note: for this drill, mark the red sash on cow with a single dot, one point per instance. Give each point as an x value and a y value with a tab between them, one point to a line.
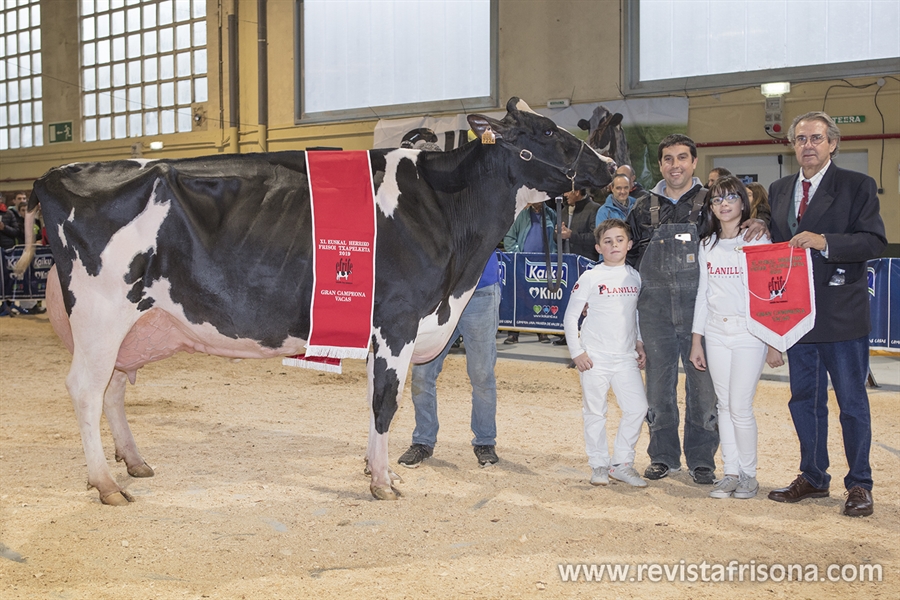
343	215
781	301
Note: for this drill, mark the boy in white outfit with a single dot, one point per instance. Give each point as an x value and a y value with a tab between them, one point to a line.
609	352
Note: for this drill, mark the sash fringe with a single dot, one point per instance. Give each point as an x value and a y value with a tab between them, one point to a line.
336	352
317	363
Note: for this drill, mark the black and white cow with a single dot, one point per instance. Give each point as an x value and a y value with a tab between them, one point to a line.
213	255
605	134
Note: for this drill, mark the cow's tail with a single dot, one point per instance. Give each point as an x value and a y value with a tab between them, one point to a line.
28	254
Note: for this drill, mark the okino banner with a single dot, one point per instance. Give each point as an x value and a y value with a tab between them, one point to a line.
32	284
526	303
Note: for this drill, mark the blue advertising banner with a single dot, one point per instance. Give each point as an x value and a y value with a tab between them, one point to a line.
526	304
884	303
32	284
894	305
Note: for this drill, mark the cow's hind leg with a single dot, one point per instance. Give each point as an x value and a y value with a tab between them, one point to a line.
114	409
89	376
387	375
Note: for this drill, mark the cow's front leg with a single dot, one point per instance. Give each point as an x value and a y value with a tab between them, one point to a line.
114	409
387	374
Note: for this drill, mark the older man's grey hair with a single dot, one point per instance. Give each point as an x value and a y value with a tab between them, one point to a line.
832	130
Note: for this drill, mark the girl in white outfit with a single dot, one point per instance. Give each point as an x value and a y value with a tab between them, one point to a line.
735	357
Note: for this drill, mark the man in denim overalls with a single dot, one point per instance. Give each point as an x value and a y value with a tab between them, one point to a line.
664	228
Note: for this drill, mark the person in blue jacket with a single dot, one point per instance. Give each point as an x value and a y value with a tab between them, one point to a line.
618	204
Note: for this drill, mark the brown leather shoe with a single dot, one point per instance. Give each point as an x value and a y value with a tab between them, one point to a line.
800	489
859	502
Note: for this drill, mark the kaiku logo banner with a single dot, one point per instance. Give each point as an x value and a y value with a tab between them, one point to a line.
343	211
536	271
32	284
781	302
525	302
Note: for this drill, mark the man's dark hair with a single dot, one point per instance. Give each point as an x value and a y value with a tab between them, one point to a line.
721	171
674	139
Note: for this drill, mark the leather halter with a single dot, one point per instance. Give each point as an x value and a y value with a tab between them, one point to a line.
569	171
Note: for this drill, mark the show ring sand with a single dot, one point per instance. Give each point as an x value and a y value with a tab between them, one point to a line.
260	493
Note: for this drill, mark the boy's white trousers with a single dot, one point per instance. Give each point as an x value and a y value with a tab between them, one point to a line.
622	374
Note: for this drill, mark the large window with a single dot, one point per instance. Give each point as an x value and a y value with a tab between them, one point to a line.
371	58
143	64
677	45
21	110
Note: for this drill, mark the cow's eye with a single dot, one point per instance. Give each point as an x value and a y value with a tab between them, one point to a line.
548	132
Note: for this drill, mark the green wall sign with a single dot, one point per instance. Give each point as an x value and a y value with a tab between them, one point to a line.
60	132
846	120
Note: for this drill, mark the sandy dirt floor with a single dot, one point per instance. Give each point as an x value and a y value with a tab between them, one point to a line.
259	493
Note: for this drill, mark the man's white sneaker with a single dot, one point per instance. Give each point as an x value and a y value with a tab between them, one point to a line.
724	487
626	474
747	487
599	476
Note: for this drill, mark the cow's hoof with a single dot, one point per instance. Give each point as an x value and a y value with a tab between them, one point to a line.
394	476
142	470
116	498
385	492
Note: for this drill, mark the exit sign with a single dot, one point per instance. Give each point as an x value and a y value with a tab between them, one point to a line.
846	120
60	132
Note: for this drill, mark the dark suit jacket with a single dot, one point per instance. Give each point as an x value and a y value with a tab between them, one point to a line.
582	241
845	208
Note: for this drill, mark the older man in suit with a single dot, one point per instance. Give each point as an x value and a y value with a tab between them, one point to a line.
835	213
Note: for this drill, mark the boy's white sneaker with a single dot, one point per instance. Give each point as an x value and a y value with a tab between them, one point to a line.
747	487
599	476
724	487
626	474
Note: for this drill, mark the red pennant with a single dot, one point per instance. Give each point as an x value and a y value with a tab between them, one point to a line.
781	305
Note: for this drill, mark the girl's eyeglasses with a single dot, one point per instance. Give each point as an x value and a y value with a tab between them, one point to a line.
730	198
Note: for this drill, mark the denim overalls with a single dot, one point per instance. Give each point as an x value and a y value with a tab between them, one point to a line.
669	279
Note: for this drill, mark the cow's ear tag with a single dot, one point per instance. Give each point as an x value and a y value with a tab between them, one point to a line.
488	136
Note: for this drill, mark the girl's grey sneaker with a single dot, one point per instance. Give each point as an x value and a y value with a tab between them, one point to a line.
747	487
725	487
626	474
599	476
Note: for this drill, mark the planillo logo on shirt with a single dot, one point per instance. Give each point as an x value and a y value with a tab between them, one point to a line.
627	290
734	271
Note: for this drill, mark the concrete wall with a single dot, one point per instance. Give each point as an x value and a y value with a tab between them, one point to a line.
547	49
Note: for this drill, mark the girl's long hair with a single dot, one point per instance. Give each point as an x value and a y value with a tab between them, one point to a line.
709	223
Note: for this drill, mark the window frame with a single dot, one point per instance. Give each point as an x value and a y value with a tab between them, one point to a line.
35	100
633	86
393	110
118	99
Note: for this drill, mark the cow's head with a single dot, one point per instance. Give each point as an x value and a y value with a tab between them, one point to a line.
605	134
550	159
